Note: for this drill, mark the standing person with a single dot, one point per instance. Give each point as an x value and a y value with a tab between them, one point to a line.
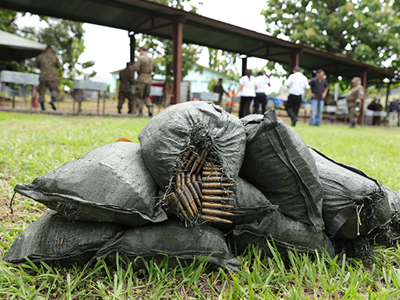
247	88
394	112
218	88
296	83
354	99
262	82
377	119
126	79
319	89
145	65
49	77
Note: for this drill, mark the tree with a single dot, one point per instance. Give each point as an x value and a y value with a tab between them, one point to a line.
366	30
66	37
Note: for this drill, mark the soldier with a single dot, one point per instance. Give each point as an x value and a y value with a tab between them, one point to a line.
126	79
354	99
49	67
219	89
144	66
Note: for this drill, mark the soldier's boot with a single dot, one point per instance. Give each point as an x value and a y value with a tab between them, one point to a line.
140	114
119	110
129	111
150	111
52	103
42	106
353	125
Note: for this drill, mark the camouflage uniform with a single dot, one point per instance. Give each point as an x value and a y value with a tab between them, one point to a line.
355	93
144	66
48	64
126	79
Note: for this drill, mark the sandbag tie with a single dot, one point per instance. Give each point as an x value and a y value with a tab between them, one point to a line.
11	203
341	218
358	212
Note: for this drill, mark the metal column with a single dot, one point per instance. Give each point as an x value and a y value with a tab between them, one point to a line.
363	76
177	60
294	61
131	35
244	65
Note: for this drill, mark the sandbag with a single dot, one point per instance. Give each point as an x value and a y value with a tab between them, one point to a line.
170	238
278	163
109	184
189	144
284	232
54	238
356	205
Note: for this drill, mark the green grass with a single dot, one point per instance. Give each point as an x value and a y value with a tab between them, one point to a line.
31	145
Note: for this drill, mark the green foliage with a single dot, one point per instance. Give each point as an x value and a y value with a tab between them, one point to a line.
223	62
366	30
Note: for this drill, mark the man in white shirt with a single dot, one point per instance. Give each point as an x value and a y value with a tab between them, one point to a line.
296	83
262	82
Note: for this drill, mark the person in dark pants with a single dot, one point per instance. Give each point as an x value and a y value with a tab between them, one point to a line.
126	79
262	82
319	89
296	83
247	93
218	88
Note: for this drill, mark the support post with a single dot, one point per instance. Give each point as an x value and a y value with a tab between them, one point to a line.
177	60
294	61
244	65
387	96
132	45
363	76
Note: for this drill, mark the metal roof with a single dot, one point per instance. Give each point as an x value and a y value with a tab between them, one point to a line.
141	16
14	47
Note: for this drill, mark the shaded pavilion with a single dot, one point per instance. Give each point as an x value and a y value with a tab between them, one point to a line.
140	16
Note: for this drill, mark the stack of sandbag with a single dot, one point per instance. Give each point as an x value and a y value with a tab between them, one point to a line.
103	201
199	180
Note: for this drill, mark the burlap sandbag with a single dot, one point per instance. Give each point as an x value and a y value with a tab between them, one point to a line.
278	163
286	234
171	238
109	184
170	133
356	205
55	238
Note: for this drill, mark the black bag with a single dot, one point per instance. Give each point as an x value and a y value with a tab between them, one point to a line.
109	184
355	204
286	234
55	238
278	163
183	146
171	238
170	133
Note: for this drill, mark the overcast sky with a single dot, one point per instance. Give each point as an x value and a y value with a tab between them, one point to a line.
110	49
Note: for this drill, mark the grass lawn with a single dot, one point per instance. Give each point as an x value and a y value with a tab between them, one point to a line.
32	145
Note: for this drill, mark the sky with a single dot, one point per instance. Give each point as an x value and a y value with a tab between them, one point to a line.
110	49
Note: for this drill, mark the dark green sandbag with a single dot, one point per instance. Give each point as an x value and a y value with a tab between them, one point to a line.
278	163
168	135
55	238
286	233
349	189
153	241
109	184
